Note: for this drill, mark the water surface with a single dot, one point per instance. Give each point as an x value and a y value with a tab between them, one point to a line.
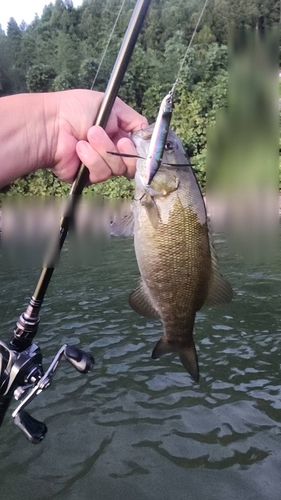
141	429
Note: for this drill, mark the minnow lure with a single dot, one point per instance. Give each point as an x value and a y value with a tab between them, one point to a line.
159	137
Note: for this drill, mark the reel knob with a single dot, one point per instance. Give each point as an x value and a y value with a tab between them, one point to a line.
82	361
34	430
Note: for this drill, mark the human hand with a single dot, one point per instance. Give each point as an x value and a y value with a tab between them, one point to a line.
77	139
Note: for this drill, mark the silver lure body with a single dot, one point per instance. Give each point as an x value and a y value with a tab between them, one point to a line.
159	137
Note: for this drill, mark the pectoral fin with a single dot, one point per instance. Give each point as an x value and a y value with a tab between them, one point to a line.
187	354
220	291
151	209
141	303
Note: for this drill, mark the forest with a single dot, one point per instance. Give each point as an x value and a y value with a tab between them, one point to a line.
63	48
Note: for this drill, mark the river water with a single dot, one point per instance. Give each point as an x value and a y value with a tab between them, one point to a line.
140	429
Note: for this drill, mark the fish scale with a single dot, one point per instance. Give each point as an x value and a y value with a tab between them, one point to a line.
179	247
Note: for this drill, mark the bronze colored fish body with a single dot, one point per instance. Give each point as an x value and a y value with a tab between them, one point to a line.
178	267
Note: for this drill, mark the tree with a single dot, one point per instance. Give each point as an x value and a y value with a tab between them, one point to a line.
88	73
63	49
6	83
13	46
40	78
64	81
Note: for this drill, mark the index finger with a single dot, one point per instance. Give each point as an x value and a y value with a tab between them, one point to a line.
128	119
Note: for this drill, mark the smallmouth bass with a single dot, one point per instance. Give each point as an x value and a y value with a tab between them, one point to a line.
177	263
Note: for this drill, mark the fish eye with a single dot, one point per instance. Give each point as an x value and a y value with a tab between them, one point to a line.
170	146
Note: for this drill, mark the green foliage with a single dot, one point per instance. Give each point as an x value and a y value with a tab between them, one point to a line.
63	81
63	49
197	104
41	183
152	98
40	78
115	187
45	183
88	72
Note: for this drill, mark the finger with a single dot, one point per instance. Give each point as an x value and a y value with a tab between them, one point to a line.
99	171
127	118
100	141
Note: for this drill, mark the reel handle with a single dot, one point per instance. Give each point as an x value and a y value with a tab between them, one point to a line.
81	360
33	430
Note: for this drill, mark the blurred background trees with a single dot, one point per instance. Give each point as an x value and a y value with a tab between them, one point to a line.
62	50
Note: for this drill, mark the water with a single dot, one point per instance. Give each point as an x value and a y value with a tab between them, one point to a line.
141	429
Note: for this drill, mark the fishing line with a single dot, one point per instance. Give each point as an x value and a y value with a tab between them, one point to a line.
127	155
189	46
161	128
108	42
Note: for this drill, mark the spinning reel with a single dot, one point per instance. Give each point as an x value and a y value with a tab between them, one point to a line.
22	376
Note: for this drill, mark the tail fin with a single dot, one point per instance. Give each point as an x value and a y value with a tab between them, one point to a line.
187	354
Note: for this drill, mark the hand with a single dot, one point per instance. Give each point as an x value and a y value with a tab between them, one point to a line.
77	139
54	130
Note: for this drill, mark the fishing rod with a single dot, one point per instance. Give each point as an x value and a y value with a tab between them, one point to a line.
21	372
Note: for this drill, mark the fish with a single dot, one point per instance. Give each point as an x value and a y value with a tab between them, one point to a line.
179	271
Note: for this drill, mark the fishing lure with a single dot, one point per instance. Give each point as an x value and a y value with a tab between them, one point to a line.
159	137
158	142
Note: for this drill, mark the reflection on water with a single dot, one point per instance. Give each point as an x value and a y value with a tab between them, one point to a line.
139	428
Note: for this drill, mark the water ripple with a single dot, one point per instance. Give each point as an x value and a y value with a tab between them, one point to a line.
135	422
